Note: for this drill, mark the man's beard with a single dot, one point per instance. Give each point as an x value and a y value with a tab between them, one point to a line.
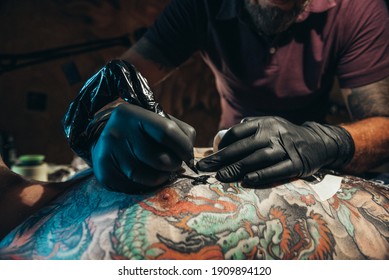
270	20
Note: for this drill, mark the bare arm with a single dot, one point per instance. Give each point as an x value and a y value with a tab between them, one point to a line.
20	198
149	61
369	107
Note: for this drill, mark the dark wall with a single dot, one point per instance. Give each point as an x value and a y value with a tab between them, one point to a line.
33	99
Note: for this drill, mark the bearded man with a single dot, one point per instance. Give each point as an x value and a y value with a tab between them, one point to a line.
274	63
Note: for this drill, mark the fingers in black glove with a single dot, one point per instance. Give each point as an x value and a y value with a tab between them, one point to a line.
187	129
245	148
269	149
141	147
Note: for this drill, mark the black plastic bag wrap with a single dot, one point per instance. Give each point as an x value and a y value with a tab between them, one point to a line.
84	119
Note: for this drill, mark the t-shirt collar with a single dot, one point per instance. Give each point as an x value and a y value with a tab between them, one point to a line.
316	6
230	9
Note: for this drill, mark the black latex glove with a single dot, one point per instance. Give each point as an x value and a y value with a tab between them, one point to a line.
138	149
86	116
269	149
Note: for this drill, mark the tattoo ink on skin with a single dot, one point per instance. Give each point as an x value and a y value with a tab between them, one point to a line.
146	49
195	180
369	101
199	180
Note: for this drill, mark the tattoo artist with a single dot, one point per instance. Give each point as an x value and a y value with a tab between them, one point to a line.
274	63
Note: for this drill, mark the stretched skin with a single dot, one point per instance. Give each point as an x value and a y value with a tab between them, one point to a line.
207	221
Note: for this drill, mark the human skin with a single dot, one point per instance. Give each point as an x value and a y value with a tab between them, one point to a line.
367	106
20	198
211	220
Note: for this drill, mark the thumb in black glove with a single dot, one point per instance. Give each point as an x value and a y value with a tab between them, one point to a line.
140	145
264	150
138	149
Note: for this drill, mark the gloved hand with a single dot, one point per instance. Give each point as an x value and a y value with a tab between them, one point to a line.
139	149
268	149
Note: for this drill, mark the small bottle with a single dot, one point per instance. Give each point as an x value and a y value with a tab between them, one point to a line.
31	167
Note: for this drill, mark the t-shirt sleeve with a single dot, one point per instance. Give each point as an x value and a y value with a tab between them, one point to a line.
364	59
178	30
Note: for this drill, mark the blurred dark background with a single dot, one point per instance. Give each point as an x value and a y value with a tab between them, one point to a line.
35	90
34	98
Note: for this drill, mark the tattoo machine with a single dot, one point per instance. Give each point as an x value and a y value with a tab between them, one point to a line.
89	112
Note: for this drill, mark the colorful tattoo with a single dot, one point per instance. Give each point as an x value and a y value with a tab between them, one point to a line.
208	221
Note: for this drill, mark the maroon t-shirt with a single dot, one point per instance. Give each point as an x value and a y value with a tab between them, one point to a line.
289	76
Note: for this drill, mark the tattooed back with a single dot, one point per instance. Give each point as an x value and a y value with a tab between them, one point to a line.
208	220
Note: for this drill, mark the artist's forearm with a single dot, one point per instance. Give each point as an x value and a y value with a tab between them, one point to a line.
368	107
371	139
148	60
